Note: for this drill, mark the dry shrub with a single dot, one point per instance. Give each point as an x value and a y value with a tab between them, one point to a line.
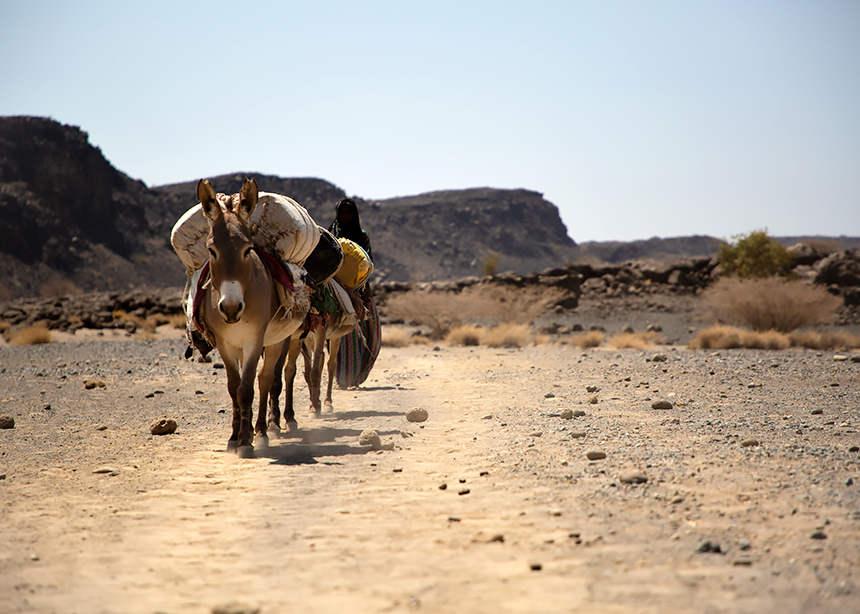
507	335
444	311
394	337
726	337
769	303
467	334
32	335
636	340
828	340
57	286
591	339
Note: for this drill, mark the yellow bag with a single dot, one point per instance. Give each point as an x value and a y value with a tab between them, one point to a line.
356	267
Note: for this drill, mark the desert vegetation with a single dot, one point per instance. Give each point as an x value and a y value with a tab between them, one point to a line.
755	255
728	337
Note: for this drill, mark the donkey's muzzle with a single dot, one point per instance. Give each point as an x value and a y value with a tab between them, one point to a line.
232	303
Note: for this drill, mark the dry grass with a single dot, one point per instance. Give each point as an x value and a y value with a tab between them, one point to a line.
57	286
394	337
635	340
442	312
591	339
770	303
466	334
727	337
507	335
32	335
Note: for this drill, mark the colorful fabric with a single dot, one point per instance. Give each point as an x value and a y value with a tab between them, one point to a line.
359	350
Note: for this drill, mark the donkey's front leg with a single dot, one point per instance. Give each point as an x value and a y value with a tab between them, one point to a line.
234	377
245	396
271	357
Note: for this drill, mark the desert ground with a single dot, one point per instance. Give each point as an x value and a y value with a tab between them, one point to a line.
742	495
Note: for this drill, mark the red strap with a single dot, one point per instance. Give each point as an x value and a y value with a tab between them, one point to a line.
279	273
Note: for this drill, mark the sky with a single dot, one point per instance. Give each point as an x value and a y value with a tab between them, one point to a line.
636	119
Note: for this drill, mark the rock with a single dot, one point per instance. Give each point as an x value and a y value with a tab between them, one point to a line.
369	437
235	608
577	434
592	389
855	358
566	414
464	491
849	482
840	357
417	414
818	534
94	383
443	486
708	546
659	358
535	566
549	395
536	434
750	443
578	413
595	455
7	422
817	412
661	405
744	544
634	476
744	560
103	470
854	449
165	426
592	400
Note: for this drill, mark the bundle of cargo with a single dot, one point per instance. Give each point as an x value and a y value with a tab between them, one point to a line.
356	267
279	225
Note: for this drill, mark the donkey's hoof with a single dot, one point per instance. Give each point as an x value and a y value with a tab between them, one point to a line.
232	446
274	430
328	407
261	441
245	452
293	428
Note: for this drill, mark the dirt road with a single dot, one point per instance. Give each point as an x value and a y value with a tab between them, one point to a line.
489	506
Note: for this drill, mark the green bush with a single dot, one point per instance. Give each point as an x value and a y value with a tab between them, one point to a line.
756	255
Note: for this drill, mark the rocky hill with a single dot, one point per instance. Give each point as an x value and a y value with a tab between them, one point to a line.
70	221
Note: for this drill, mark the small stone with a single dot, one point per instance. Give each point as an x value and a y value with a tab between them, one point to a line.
566	414
659	358
453	519
464	491
661	405
744	544
840	357
417	414
593	400
549	395
577	435
595	455
94	383
7	422
104	470
165	426
708	546
854	449
855	358
102	428
817	412
818	534
677	499
537	434
443	486
369	437
578	413
497	538
749	443
849	482
397	470
592	389
535	566
633	477
745	561
235	608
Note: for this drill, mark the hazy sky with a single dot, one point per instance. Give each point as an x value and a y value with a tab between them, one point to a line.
636	118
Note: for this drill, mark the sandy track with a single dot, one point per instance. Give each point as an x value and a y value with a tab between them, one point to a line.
320	524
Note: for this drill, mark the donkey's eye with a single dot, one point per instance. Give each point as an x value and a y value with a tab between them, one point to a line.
247	253
212	253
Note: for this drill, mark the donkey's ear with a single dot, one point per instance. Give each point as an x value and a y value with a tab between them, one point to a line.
206	196
248	196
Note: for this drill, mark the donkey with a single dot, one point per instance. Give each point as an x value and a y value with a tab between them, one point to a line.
313	348
242	311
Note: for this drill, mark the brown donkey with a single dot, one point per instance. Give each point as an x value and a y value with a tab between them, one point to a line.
242	310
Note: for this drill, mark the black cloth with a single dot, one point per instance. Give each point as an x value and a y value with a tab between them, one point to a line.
352	230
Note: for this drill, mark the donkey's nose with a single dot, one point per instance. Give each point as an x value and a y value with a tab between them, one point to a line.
232	303
232	311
